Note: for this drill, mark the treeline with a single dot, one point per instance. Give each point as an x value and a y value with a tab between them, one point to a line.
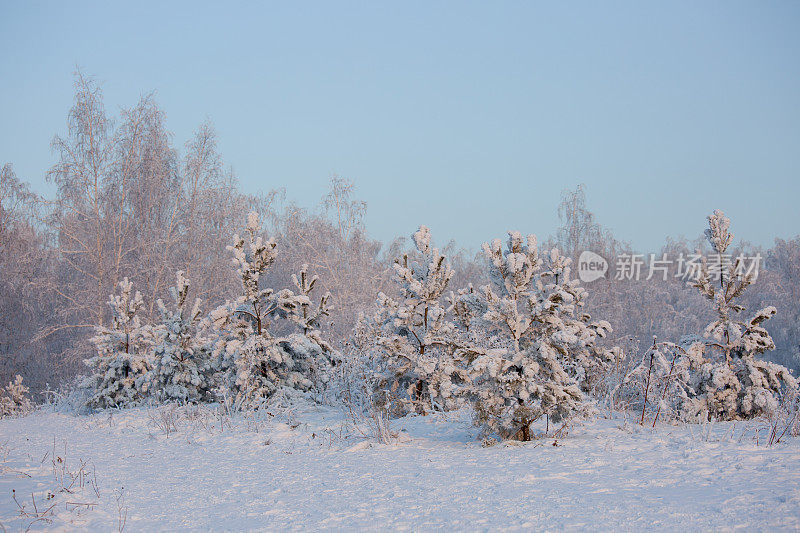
129	204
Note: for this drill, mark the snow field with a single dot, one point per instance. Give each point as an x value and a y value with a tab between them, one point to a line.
308	467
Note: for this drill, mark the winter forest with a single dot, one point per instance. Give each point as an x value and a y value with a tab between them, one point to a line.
150	260
150	283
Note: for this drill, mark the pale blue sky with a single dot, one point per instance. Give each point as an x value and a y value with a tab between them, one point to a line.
468	117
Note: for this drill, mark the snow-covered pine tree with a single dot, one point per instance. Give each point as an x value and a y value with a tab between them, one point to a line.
14	398
505	389
548	352
415	333
119	369
245	346
467	306
306	315
731	381
228	332
313	354
566	340
253	362
181	354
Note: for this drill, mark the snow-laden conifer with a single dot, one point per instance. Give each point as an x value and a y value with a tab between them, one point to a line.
307	316
505	389
120	367
181	353
719	375
252	362
14	398
566	344
540	352
731	381
415	333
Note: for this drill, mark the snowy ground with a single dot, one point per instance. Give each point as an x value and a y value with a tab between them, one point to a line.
308	468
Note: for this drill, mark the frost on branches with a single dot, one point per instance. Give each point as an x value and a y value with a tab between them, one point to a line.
119	370
14	398
253	362
181	354
541	353
730	380
658	386
414	336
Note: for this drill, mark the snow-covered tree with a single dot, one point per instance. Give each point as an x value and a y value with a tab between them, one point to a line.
307	316
504	376
25	307
14	398
566	344
228	331
415	333
719	375
181	353
253	362
542	351
120	367
731	381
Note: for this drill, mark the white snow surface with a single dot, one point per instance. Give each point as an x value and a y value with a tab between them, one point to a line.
307	467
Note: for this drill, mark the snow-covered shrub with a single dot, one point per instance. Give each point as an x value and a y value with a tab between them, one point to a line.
69	398
415	334
181	353
253	363
540	352
785	421
120	367
14	398
358	382
658	386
